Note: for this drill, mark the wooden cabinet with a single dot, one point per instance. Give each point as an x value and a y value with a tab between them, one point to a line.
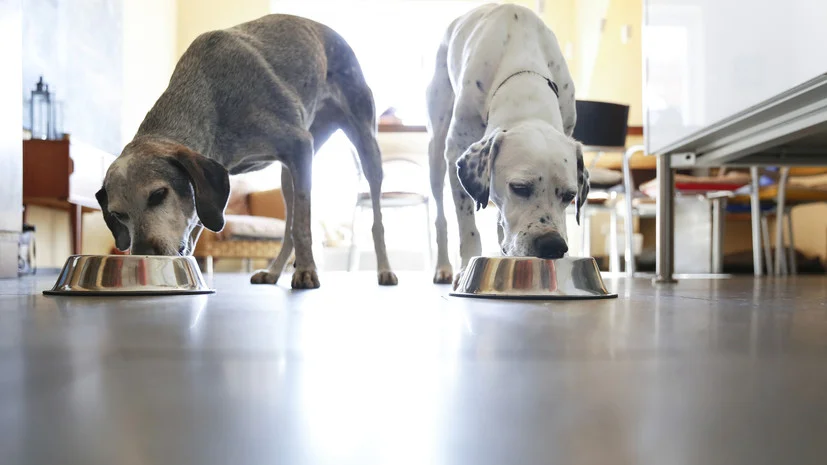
64	174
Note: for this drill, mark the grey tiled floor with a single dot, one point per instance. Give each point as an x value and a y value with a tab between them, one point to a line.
708	372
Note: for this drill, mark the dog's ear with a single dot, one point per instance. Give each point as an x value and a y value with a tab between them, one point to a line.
582	182
119	231
474	167
211	183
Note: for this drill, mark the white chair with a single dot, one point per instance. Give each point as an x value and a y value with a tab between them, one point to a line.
394	197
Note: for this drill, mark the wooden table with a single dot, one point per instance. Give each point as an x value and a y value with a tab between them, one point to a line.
788	129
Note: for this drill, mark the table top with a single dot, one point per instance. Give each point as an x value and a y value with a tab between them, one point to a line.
722	371
787	129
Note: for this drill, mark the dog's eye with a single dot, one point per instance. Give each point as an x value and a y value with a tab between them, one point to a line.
521	190
157	197
568	197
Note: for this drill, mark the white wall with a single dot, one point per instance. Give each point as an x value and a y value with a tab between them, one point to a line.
198	16
11	149
149	56
590	14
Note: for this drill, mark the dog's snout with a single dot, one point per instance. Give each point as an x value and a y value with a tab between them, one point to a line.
550	246
144	248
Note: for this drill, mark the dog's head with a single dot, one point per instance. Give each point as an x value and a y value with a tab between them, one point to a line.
532	173
157	194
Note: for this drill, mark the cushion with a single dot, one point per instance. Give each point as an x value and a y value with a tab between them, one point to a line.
237	203
252	228
685	183
812	182
267	203
602	177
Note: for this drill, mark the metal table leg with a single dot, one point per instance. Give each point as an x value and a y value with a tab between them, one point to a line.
755	217
718	208
665	247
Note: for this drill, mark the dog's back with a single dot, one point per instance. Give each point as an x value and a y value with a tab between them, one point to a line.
491	42
300	50
241	79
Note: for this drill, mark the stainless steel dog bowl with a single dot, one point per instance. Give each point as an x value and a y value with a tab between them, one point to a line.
129	275
532	278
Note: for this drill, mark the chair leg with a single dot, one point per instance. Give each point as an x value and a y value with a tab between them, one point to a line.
793	259
765	235
779	219
629	236
756	218
247	263
208	264
614	252
628	194
353	253
585	231
780	262
430	247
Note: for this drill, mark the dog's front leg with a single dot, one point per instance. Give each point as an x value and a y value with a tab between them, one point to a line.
470	244
305	275
469	237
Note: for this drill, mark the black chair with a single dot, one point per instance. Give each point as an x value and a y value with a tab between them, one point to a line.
602	127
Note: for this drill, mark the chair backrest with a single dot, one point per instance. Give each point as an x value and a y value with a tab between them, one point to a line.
601	124
402	172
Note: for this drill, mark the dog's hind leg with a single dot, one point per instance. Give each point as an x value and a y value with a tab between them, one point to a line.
359	124
348	89
364	138
440	99
276	268
464	131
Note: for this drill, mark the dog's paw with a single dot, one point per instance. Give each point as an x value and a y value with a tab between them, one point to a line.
264	277
305	279
443	275
388	278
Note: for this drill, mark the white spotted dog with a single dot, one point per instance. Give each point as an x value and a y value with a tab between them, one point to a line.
501	113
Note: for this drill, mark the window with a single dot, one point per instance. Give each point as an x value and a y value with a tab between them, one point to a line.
395	42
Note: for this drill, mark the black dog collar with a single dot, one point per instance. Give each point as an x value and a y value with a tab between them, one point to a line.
551	84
